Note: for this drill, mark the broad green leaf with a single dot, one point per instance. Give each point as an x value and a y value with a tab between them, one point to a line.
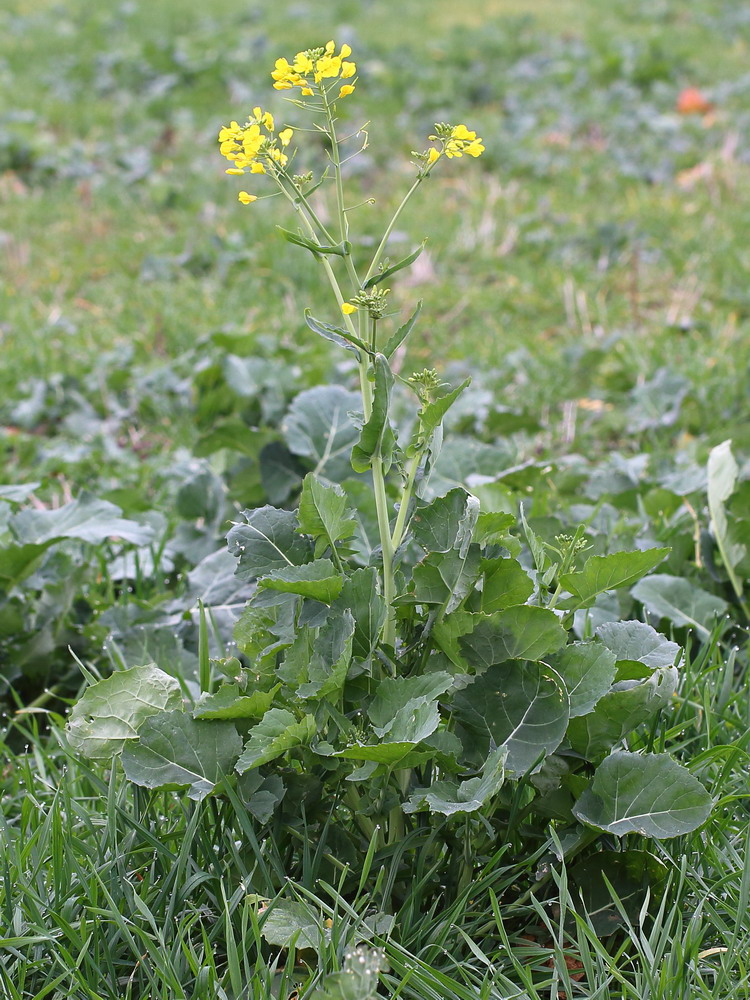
17	494
638	643
324	513
505	585
18	561
404	709
110	713
602	573
722	480
229	702
525	632
377	437
399	266
521	706
331	654
281	472
402	333
318	580
588	670
447	634
277	732
446	523
680	601
621	710
318	427
336	335
267	542
391	755
633	875
260	795
361	595
492	528
446	578
288	921
87	518
450	797
173	749
650	794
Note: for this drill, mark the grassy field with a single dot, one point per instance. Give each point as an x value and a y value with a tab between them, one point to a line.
590	273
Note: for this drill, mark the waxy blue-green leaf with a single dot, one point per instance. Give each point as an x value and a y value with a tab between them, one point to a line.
602	573
525	632
445	578
451	797
431	415
342	249
588	670
621	710
492	528
111	712
276	733
399	266
404	709
361	595
175	750
318	580
266	542
447	522
505	584
230	702
324	513
648	793
376	439
87	518
290	921
680	601
402	333
521	706
722	481
336	335
18	561
636	642
19	493
318	427
331	654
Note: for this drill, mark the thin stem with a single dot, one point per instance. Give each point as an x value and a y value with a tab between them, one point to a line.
403	509
386	235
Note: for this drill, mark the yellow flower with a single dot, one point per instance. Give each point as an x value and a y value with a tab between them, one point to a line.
434	155
320	64
235	171
346	90
461	132
281	158
246	198
346	50
286	136
257	168
347	309
475	148
330	48
307	92
303	63
348	69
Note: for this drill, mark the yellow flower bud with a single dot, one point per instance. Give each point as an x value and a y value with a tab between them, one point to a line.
246	198
235	171
307	92
346	90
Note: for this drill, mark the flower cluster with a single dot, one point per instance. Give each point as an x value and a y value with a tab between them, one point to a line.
455	140
312	67
248	146
374	301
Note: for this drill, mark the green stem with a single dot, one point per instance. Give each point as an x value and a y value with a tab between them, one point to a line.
403	509
381	246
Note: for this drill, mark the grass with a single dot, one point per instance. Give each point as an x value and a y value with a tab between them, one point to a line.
602	247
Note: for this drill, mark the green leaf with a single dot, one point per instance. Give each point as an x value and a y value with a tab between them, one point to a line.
402	333
492	528
506	584
602	573
621	710
110	713
588	670
361	595
338	249
404	709
87	518
388	271
359	978
450	797
634	876
722	480
267	542
446	523
521	706
680	601
277	732
17	494
650	794
324	513
431	415
525	632
175	750
376	439
18	561
445	578
636	642
337	335
318	427
328	663
448	632
318	580
391	755
288	921
229	702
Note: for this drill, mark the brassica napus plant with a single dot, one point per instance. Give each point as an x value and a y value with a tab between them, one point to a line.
442	690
